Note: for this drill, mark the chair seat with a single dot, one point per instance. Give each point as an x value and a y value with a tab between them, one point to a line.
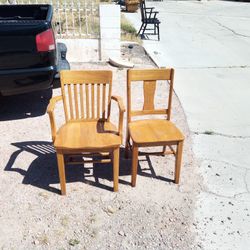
152	21
86	135
154	132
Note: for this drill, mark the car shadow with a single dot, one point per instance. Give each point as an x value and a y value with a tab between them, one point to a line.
43	172
25	105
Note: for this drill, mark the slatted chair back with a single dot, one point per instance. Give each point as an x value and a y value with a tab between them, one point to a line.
86	94
149	77
143	10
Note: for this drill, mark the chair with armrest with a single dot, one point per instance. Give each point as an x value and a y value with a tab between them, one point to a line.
86	97
149	17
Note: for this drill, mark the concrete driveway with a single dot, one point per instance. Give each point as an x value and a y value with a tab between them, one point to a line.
208	43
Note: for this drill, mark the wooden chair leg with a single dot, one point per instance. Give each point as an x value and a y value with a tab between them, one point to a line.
178	162
127	145
61	169
116	168
134	165
164	150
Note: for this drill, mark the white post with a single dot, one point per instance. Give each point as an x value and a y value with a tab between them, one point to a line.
110	31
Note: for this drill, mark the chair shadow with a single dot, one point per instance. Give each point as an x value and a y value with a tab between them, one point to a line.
151	169
43	172
24	106
146	36
102	130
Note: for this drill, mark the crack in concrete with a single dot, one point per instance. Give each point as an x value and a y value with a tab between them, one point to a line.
245	180
225	162
217	67
200	14
211	133
225	196
236	195
227	28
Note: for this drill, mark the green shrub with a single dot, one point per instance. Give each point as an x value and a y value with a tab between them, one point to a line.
126	26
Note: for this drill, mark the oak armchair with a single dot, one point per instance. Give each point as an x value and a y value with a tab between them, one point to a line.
87	131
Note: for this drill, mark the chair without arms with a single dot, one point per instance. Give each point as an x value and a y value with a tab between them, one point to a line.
86	97
152	132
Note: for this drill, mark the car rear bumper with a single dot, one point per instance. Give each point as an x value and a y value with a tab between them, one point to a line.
20	81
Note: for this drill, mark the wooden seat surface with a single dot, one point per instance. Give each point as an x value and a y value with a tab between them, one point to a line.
87	135
154	132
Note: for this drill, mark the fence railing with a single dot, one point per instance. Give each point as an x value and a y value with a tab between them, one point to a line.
72	18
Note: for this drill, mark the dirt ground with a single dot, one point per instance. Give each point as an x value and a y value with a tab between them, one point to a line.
156	214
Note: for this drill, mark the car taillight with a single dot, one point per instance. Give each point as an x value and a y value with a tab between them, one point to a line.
45	41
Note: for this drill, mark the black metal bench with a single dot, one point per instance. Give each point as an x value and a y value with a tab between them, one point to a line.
148	17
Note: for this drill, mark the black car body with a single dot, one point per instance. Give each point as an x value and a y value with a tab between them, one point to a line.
27	48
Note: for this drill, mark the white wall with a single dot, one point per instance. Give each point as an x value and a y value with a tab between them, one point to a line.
81	50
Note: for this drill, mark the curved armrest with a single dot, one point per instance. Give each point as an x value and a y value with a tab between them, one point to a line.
155	13
50	111
119	100
152	14
122	109
53	102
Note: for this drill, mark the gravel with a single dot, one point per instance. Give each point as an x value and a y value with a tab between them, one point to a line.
156	214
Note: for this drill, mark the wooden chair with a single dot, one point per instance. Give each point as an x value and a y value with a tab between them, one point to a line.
152	132
149	17
86	97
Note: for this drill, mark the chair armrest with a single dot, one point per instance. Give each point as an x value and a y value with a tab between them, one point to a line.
148	10
122	109
50	111
119	100
155	13
152	14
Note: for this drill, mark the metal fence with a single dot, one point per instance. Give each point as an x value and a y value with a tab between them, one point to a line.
72	18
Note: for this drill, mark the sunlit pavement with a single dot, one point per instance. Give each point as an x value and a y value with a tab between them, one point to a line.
208	44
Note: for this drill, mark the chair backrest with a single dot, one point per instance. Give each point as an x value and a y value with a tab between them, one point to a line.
86	94
149	77
143	10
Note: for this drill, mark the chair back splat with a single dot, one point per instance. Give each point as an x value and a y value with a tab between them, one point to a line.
150	79
152	132
86	95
